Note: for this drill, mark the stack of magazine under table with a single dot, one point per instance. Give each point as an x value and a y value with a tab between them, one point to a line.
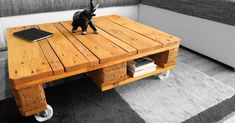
141	66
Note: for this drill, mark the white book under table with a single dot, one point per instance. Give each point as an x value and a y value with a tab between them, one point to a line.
140	64
143	71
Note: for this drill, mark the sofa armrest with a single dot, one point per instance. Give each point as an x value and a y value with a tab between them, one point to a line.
5	90
2	39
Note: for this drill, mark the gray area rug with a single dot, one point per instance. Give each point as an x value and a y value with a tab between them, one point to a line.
184	94
220	113
77	101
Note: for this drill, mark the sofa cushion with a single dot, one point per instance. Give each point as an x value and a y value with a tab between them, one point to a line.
217	10
22	7
5	90
2	40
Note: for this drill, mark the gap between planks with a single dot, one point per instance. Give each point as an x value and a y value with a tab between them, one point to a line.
85	51
104	49
164	38
132	38
25	65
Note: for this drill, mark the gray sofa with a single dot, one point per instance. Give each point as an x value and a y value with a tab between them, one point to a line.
205	26
217	10
4	81
23	7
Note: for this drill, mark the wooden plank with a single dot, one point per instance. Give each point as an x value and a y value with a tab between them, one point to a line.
86	53
108	86
104	49
89	68
140	42
162	37
50	55
52	59
131	50
26	61
70	57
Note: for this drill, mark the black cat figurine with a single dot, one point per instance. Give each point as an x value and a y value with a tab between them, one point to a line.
84	18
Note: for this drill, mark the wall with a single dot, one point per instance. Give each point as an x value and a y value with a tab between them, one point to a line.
213	39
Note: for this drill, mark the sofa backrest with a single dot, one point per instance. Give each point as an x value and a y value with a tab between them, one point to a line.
217	10
23	7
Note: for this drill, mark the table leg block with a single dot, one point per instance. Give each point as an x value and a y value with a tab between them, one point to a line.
165	59
109	74
30	100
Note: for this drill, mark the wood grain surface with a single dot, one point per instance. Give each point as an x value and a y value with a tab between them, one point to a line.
66	54
86	52
70	57
164	38
26	61
104	49
52	58
141	43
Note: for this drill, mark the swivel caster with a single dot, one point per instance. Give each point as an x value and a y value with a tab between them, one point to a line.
95	32
74	31
84	32
44	115
164	75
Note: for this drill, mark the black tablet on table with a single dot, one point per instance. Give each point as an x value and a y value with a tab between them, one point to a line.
33	34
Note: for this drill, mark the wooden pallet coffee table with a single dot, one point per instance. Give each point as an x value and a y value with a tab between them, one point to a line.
66	54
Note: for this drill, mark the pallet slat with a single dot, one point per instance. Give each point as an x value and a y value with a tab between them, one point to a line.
108	86
52	59
123	45
162	37
50	55
140	42
90	56
104	49
70	57
26	60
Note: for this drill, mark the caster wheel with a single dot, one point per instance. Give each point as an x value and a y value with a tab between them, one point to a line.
95	32
44	115
74	31
164	75
84	33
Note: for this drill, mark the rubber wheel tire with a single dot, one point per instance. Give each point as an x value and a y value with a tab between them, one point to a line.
164	75
49	114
